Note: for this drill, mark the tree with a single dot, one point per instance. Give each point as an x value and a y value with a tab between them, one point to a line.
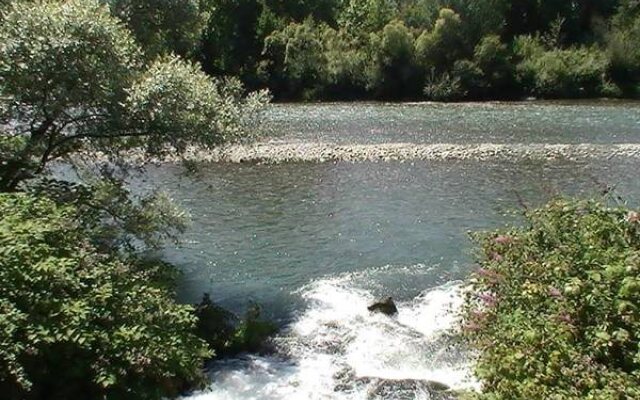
79	323
295	58
347	60
481	17
532	16
231	42
162	26
441	47
72	80
367	15
623	51
82	313
494	59
396	72
419	14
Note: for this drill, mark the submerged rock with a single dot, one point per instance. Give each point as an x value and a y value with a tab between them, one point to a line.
385	306
407	389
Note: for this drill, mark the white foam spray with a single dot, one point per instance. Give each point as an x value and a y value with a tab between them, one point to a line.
337	349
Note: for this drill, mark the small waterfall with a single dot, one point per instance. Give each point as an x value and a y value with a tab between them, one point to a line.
336	349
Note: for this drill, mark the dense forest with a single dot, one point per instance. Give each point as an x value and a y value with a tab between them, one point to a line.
426	49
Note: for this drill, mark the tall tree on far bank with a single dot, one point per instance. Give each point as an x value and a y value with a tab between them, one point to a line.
162	26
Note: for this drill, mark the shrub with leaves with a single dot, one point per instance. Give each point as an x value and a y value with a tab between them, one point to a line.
76	323
445	87
576	72
554	310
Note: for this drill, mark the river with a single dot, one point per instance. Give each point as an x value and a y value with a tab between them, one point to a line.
314	242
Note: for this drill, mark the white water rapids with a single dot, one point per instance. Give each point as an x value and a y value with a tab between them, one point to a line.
337	349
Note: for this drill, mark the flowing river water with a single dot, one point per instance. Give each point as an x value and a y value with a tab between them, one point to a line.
315	238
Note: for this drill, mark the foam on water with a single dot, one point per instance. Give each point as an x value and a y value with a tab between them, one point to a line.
337	349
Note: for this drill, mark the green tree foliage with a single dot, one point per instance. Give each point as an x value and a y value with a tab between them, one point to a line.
296	60
236	30
440	48
419	14
395	61
162	26
624	52
494	59
349	64
242	38
481	17
82	314
232	39
367	15
575	72
78	323
553	309
174	103
531	16
71	80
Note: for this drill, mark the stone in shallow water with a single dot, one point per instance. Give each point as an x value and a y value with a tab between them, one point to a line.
385	306
407	389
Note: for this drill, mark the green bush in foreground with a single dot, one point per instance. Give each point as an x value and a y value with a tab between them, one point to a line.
554	309
78	324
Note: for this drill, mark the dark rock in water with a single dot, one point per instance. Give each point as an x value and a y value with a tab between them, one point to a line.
385	306
438	386
215	324
407	389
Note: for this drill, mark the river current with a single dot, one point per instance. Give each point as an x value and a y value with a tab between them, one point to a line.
315	242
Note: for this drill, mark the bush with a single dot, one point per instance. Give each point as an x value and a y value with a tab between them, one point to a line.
445	87
75	323
577	72
553	310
